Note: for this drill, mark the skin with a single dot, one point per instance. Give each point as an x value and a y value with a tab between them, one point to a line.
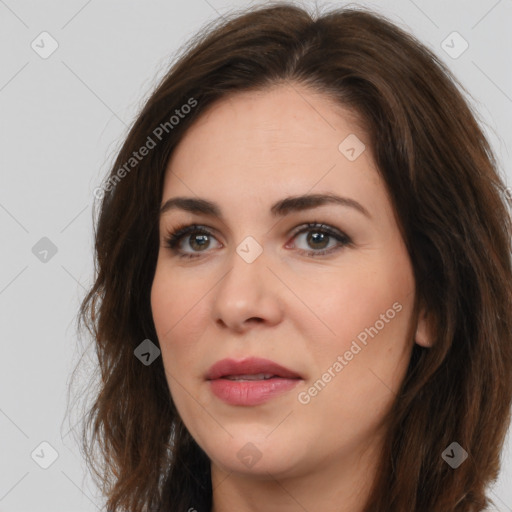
244	153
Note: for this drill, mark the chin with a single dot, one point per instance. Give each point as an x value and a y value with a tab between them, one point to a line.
256	455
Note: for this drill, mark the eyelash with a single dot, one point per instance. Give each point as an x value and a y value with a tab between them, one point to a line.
173	239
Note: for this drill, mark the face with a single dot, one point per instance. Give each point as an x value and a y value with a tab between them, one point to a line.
310	301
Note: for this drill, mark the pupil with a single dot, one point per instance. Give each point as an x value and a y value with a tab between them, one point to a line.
203	240
317	237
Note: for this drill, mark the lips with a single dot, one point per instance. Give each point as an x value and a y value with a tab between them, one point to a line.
251	381
227	368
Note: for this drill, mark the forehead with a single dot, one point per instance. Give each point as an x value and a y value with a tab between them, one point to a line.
285	139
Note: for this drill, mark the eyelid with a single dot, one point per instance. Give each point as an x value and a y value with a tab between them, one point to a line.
320	226
173	237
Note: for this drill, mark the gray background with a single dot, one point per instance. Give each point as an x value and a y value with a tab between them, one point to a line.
62	119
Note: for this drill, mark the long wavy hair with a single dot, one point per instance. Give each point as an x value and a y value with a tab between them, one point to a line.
450	201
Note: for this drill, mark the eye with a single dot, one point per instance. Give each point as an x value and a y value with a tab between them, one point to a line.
199	237
318	237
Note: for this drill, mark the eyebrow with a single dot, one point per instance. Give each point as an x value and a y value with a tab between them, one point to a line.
279	209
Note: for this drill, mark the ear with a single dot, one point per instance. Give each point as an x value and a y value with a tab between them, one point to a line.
423	336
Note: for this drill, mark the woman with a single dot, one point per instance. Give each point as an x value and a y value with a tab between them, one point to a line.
304	288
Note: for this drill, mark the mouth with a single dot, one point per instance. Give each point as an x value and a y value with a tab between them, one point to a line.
250	381
252	368
256	376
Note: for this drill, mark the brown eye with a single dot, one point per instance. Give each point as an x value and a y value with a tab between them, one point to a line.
197	237
201	240
318	238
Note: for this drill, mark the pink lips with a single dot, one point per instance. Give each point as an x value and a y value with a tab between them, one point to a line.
250	381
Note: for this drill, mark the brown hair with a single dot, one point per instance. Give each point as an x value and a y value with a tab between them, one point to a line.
450	202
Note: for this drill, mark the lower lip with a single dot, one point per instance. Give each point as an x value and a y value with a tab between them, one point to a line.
254	392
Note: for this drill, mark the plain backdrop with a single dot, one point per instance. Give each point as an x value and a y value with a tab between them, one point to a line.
62	118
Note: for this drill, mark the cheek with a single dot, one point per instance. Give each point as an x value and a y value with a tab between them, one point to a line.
351	299
175	301
170	319
365	314
358	370
179	315
164	306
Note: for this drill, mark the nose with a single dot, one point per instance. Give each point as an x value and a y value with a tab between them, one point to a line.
248	294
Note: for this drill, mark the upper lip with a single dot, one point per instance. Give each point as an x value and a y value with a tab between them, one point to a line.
249	366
